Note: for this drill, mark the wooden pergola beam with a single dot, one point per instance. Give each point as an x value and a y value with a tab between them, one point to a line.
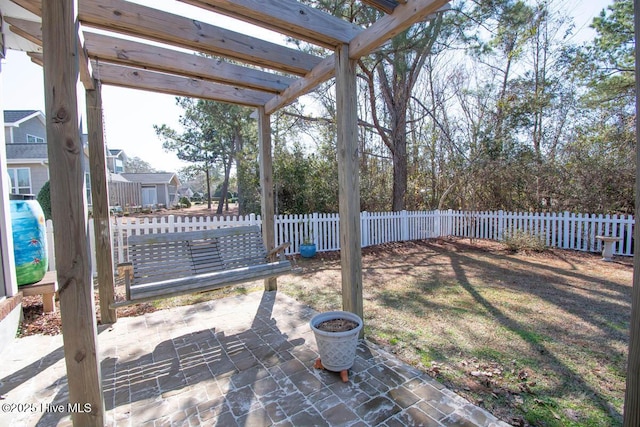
154	24
320	74
100	203
389	26
364	43
288	17
135	54
135	78
32	31
387	6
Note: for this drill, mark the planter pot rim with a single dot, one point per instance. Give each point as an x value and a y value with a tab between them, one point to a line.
330	315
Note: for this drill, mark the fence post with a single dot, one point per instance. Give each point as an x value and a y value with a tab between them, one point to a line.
364	229
92	248
565	230
51	250
501	220
171	226
404	220
120	241
314	228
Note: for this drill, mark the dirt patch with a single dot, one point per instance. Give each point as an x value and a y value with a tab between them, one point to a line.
337	325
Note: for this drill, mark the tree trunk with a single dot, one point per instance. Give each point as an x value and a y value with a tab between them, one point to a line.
399	172
208	187
225	186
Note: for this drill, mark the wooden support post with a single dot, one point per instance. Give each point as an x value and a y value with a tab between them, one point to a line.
100	196
266	189
60	38
632	392
348	182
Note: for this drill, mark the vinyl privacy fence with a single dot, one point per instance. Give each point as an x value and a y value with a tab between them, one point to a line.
558	230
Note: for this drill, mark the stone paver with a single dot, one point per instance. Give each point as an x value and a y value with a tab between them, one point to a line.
245	360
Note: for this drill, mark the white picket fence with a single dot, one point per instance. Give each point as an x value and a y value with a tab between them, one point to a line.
559	230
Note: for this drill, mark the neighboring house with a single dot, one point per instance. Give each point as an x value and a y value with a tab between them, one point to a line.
185	191
27	157
116	160
158	189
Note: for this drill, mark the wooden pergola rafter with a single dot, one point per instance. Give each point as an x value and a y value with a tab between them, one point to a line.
146	48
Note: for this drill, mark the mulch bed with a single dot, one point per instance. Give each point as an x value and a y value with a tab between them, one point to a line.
36	321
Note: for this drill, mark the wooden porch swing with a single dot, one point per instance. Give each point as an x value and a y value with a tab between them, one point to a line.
171	264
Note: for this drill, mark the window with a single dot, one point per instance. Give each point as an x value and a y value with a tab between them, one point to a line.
87	186
20	180
119	166
35	139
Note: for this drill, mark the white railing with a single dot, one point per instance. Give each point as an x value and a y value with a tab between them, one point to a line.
559	230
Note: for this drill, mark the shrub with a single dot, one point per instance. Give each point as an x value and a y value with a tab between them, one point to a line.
519	240
184	201
44	198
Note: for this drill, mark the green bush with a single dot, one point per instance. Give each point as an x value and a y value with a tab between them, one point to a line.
184	201
44	198
519	240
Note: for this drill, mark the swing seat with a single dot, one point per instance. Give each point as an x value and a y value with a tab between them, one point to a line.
171	264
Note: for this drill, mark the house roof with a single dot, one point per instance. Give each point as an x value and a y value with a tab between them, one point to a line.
114	177
15	117
150	178
27	151
114	151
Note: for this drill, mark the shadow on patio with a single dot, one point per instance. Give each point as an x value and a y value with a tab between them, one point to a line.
246	361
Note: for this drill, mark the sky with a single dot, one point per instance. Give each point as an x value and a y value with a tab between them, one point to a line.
129	114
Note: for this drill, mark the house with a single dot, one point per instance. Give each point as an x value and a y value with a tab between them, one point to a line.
25	136
157	189
185	191
27	160
116	160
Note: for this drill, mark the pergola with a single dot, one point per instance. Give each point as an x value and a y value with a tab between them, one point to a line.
274	76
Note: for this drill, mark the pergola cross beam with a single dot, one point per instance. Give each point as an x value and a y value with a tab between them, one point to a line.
288	17
164	27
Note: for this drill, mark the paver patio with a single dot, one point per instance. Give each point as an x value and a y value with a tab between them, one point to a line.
239	361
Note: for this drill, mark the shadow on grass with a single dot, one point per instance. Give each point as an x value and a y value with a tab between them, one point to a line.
602	303
570	379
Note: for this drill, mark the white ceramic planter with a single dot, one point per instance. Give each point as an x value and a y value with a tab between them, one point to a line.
337	349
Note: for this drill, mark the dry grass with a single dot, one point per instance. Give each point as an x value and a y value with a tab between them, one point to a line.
537	339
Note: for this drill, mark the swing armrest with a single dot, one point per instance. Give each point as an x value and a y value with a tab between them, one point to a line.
278	251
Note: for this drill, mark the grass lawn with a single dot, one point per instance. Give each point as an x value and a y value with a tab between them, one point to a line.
537	339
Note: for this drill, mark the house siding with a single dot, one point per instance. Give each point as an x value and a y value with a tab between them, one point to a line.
39	174
32	127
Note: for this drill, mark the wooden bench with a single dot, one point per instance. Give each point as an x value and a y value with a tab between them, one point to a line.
47	287
171	264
